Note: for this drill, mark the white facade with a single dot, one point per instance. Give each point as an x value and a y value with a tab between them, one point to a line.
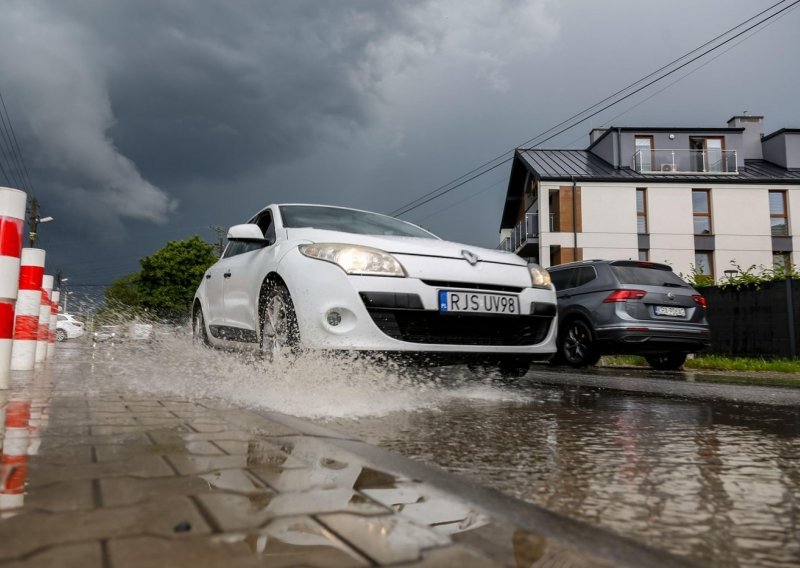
740	218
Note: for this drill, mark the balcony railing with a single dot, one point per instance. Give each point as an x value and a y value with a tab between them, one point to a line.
714	162
527	230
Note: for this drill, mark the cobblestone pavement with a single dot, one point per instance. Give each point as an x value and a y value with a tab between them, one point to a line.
115	479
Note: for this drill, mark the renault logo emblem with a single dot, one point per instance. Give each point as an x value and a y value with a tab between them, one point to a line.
470	257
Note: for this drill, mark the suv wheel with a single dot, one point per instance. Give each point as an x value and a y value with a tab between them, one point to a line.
666	361
576	345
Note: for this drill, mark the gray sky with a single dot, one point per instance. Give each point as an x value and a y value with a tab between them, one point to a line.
146	121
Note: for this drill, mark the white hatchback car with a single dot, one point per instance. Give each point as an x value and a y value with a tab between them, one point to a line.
333	278
67	327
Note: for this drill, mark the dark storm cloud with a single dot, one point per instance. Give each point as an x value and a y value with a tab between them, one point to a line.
143	121
116	94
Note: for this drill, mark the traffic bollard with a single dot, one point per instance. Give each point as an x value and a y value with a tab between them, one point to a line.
43	337
51	346
29	299
12	220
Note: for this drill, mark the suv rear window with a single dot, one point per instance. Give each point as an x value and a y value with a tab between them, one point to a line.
647	276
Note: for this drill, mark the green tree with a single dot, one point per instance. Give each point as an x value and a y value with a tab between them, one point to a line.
124	291
168	279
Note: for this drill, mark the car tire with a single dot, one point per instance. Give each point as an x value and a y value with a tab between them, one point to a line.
61	335
280	335
666	361
576	344
199	334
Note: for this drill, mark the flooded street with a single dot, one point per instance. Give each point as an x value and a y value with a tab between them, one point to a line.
717	481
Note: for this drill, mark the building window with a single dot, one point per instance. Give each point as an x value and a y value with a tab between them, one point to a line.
708	154
704	266
641	210
781	261
644	154
644	254
701	207
778	219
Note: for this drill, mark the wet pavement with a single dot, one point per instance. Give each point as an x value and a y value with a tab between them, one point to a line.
710	472
97	473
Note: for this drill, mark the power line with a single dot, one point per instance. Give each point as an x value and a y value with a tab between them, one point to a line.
16	145
487	166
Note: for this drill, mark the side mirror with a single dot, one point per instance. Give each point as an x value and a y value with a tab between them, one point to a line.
246	232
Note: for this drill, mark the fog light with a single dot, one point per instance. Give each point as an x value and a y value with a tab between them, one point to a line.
334	318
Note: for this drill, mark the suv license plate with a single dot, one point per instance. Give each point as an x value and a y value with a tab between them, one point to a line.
477	303
670	311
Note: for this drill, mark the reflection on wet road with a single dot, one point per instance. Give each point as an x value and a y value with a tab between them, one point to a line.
716	481
696	469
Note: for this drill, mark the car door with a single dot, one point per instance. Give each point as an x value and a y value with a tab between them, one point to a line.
245	275
214	308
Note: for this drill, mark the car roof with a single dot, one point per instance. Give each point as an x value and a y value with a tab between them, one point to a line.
597	261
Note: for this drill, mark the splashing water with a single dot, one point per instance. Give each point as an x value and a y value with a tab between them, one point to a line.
314	385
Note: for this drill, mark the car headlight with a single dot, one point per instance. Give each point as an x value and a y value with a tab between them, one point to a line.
355	259
540	278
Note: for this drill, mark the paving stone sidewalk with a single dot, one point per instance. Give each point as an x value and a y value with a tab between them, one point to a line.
114	479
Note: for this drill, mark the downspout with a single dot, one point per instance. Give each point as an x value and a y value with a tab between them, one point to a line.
574	221
618	165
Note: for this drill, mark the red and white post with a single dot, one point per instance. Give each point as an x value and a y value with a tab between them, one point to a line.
12	221
14	461
29	299
43	337
51	345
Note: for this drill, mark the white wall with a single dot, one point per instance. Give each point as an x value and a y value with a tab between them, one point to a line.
740	217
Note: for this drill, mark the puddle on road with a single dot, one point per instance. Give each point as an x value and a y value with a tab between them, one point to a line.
315	385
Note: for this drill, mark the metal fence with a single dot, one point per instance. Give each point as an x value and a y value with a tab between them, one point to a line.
755	323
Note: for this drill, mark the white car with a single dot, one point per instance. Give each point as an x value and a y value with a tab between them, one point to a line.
67	327
333	278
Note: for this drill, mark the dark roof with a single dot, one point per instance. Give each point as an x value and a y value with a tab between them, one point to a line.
779	132
563	165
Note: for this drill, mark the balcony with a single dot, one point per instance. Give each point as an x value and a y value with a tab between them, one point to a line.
683	162
524	239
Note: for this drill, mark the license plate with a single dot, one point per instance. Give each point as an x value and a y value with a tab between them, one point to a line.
477	303
670	311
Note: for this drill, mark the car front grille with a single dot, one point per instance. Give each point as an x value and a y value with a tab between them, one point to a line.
427	326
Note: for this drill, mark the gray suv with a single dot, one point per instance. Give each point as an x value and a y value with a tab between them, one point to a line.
625	306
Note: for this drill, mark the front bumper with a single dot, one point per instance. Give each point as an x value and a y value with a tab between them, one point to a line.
318	288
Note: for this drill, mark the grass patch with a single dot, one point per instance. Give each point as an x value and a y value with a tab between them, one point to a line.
716	363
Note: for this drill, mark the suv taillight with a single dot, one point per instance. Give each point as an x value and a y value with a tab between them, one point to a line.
700	301
624	295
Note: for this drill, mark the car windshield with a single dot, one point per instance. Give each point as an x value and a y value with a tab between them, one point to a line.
348	221
647	276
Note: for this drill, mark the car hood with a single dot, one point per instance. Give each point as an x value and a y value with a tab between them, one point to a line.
406	245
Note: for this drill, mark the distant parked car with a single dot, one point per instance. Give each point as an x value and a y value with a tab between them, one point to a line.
141	332
627	307
67	327
332	278
110	333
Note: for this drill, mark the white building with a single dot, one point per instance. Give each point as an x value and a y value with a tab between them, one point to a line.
690	197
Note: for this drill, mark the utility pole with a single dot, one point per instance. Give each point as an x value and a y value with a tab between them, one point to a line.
33	221
220	231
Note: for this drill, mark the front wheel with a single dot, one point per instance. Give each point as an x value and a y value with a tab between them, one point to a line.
280	335
61	335
199	334
576	345
666	361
